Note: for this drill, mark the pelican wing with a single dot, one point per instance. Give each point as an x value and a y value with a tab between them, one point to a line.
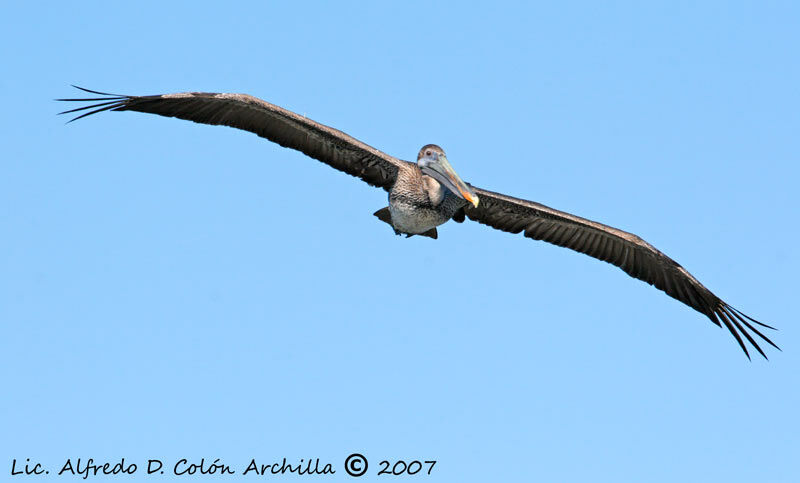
242	111
627	251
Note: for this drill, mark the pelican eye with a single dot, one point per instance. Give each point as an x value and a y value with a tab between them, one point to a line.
427	153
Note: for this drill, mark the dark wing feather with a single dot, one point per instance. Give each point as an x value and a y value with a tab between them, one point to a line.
635	256
242	111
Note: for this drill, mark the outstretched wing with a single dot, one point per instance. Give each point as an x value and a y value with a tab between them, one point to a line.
290	130
635	256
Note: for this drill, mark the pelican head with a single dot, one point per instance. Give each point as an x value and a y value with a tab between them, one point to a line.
433	162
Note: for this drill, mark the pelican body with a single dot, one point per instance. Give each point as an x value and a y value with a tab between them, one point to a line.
425	194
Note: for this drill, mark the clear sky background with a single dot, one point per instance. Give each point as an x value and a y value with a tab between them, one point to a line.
172	290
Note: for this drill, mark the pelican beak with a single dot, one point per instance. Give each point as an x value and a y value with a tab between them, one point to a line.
440	170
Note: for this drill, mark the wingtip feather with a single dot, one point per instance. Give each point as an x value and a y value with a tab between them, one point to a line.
96	92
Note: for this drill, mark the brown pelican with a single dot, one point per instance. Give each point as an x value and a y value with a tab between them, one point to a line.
425	194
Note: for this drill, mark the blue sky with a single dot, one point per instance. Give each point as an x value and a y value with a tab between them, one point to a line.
171	290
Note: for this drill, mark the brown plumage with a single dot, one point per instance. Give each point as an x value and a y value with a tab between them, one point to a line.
419	203
335	148
290	130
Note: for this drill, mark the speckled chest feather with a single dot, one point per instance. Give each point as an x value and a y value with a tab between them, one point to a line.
418	203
